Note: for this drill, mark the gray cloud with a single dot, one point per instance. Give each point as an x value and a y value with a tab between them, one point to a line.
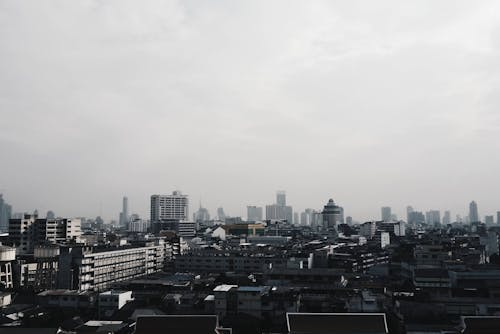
371	103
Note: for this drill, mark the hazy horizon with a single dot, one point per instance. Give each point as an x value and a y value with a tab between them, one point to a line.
369	103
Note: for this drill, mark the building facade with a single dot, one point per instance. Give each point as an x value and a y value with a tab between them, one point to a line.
169	207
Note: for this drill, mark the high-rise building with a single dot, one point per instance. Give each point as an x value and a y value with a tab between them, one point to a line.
433	217
275	211
473	212
498	217
409	210
489	220
124	218
281	198
415	218
296	219
30	231
280	210
332	215
348	220
386	213
5	214
254	213
447	218
173	207
306	217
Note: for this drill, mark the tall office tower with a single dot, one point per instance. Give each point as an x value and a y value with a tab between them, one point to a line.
173	207
386	213
296	220
348	220
447	218
409	210
489	220
332	215
280	210
281	198
433	217
221	214
473	212
498	217
254	213
5	214
124	214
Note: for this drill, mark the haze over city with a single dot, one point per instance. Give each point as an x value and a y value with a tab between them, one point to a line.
230	101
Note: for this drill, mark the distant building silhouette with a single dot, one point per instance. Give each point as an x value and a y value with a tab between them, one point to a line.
433	217
332	215
447	218
123	221
409	210
221	215
5	214
279	211
202	215
386	213
473	212
254	213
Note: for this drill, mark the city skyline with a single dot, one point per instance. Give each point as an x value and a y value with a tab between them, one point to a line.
401	214
326	100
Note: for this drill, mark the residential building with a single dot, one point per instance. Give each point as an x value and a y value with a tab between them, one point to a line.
169	207
88	269
7	257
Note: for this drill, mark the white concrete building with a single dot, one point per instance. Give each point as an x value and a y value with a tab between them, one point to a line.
169	207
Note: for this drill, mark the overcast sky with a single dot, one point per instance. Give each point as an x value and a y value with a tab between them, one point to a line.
369	102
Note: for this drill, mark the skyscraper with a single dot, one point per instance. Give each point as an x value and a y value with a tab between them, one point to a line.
169	207
409	210
447	218
5	214
280	210
332	215
254	213
124	214
281	198
489	220
386	213
473	212
433	217
498	217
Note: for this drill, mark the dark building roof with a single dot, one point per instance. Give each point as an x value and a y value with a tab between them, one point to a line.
337	323
177	324
481	325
